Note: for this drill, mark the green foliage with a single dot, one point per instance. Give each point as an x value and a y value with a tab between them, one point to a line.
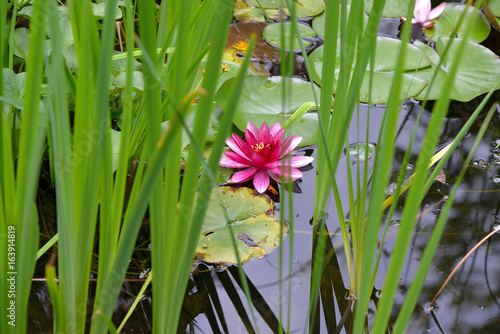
244	214
478	73
280	34
474	22
261	101
381	72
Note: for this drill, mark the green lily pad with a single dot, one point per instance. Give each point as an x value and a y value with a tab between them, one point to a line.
267	3
303	8
358	152
243	213
245	12
99	10
318	23
232	70
475	23
494	6
261	100
137	80
386	56
272	34
393	8
478	72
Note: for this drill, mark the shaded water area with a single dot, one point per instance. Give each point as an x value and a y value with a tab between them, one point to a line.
469	304
215	301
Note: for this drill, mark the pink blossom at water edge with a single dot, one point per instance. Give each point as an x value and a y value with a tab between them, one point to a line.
422	13
263	154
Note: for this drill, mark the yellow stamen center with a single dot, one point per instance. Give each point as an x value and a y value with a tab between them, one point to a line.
257	148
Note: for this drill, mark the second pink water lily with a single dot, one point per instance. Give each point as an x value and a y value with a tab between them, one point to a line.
422	13
264	155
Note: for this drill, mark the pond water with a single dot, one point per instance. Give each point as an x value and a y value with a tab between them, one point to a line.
469	304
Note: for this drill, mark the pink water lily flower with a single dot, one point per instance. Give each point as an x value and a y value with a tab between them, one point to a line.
422	13
263	154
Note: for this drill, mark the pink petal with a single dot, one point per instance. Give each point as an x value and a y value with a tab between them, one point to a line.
251	138
237	158
275	176
244	175
437	11
261	181
243	146
252	129
264	133
422	10
278	138
226	162
292	144
231	143
289	172
258	160
271	165
296	161
275	129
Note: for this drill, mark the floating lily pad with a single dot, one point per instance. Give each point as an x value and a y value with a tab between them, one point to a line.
475	23
137	80
232	70
303	8
261	100
393	8
245	12
386	57
267	3
494	6
358	152
243	213
477	73
272	34
318	23
99	10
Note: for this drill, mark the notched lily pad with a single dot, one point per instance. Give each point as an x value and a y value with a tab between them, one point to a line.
475	23
243	213
303	8
273	33
245	12
385	64
261	100
477	73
